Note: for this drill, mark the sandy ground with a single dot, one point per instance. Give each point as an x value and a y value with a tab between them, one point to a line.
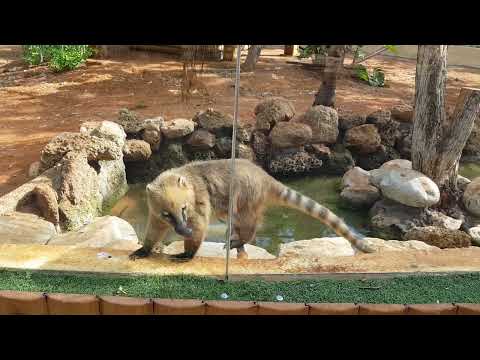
35	109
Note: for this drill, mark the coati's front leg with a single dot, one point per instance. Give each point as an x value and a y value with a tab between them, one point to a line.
192	243
156	231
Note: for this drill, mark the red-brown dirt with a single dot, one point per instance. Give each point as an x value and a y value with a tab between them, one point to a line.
35	109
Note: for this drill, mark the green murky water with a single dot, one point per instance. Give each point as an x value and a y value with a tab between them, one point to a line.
281	225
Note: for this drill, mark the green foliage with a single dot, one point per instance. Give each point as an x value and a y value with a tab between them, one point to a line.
309	50
58	57
377	78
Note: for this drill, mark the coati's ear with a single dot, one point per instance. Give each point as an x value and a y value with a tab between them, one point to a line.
182	181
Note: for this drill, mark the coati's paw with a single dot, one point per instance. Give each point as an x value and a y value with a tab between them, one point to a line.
182	257
242	255
139	254
234	244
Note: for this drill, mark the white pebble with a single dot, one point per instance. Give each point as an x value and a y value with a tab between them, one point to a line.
279	298
224	296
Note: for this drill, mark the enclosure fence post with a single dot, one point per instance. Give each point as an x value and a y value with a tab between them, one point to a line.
231	199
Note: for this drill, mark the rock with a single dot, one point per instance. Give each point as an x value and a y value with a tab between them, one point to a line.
347	119
108	232
41	201
214	249
472	147
110	131
439	237
272	111
471	197
112	182
462	182
323	121
152	134
215	122
321	150
363	139
132	124
387	128
289	134
356	177
21	228
438	219
223	147
397	164
203	155
177	128
380	245
360	196
376	159
260	146
408	187
201	140
244	133
136	150
34	169
171	156
298	162
245	152
474	232
95	148
391	220
403	113
338	162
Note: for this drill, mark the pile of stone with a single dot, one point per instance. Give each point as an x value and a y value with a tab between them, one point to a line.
399	200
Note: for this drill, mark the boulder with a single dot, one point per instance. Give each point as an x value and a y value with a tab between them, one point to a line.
397	164
171	156
22	228
462	182
261	146
471	197
41	201
439	237
34	169
215	122
380	245
152	134
320	149
338	161
438	219
403	142
244	133
402	113
347	119
177	128
108	232
376	159
201	140
245	152
363	139
132	124
406	186
289	134
216	249
136	150
203	155
472	147
387	127
474	233
360	196
294	163
356	177
223	147
110	131
323	121
272	111
112	182
391	220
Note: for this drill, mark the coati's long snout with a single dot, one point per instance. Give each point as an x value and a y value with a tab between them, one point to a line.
291	198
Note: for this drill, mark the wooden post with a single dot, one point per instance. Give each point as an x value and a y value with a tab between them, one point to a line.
291	50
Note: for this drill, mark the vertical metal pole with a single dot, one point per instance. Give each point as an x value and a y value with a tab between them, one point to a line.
232	167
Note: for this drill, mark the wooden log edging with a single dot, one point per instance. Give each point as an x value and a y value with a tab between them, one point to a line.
36	303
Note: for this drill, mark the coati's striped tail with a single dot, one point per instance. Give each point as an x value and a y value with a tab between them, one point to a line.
293	199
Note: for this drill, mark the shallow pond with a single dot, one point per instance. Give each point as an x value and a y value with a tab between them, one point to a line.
281	225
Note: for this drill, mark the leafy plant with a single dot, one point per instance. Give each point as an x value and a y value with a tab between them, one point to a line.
59	57
377	78
310	50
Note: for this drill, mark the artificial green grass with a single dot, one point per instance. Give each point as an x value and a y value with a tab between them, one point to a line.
402	290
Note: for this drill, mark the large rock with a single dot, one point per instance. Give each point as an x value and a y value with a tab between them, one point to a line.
177	128
245	152
107	232
34	169
272	111
376	159
323	121
223	147
215	122
244	132
472	147
387	127
201	140
462	182
112	182
403	113
404	140
152	134
22	228
408	187
474	232
171	156
110	131
294	163
95	148
260	146
41	201
360	196
338	161
438	219
289	134
132	124
471	197
397	164
439	237
363	139
136	150
214	249
391	220
356	177
347	119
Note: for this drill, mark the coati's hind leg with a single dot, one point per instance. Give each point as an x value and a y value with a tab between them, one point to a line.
244	232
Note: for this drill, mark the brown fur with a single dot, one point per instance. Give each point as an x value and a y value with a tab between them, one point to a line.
203	187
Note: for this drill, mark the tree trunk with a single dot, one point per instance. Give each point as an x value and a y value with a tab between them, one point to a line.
327	91
437	142
252	58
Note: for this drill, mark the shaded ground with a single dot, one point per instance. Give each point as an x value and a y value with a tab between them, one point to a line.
35	109
398	290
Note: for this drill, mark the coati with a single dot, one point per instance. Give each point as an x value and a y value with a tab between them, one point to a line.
184	198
